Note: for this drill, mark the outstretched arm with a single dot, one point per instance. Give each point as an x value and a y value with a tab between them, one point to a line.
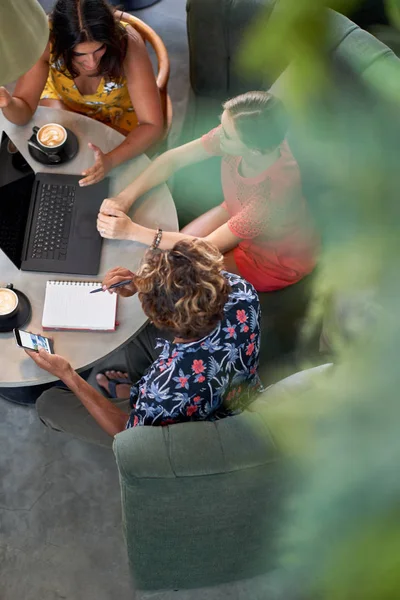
118	224
110	418
156	173
20	107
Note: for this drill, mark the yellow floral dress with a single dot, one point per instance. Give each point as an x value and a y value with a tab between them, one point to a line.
110	104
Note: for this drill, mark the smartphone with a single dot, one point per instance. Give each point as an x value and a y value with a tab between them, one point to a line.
32	341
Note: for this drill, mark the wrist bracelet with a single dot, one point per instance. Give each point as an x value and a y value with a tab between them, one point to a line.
157	239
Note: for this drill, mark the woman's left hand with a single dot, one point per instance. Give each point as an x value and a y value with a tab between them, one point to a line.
100	168
115	225
52	363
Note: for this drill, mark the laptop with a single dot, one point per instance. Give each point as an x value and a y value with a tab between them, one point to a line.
47	221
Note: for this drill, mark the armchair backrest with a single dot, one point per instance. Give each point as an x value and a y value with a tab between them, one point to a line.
200	501
366	55
215	31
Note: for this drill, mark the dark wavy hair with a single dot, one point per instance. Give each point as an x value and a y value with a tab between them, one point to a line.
183	289
260	119
78	21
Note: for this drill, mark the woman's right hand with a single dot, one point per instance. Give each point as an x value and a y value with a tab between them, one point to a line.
117	203
5	97
117	275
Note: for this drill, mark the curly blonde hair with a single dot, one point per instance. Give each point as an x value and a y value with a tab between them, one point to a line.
183	290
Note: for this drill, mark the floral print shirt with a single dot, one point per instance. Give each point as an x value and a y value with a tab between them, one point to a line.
208	379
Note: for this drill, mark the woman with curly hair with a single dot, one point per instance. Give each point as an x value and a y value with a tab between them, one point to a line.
98	66
196	359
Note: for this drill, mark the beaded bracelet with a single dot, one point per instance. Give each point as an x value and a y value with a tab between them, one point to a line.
157	239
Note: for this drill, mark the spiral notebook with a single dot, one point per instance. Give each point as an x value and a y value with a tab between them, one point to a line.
69	305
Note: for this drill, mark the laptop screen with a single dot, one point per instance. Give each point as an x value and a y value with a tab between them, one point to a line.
16	182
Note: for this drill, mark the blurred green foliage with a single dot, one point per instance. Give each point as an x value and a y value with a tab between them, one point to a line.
342	532
296	30
393	10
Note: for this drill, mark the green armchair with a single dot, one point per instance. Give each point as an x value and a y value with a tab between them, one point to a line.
201	502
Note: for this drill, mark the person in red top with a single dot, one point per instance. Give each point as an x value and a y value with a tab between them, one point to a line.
263	227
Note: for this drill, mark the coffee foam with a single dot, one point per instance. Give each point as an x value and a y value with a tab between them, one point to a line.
51	135
8	302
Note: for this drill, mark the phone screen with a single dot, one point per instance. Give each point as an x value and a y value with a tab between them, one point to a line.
32	341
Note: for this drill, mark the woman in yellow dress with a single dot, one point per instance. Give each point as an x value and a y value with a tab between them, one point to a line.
96	66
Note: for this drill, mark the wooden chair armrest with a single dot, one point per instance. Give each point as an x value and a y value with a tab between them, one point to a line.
149	35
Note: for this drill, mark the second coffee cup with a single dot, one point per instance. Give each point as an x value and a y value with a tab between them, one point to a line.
8	303
51	137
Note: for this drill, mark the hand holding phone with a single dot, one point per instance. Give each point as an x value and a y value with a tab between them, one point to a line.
40	349
33	341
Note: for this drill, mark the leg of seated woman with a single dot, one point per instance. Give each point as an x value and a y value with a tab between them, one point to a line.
60	409
208	222
51	103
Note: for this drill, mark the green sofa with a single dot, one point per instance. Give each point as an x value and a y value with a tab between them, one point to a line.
215	29
202	502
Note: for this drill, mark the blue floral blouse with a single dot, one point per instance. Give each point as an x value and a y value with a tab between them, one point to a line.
208	379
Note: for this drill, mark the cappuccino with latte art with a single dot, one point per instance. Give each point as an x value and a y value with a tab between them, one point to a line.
8	301
51	135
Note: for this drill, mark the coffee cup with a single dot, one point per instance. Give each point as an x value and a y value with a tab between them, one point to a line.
51	137
8	303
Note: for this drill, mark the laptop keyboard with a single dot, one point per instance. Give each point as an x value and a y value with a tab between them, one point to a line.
53	222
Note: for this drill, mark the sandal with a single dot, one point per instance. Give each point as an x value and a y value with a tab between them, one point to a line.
112	383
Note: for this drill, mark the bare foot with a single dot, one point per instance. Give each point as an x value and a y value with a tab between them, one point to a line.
122	389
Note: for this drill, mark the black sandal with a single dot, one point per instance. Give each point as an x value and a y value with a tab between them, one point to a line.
112	383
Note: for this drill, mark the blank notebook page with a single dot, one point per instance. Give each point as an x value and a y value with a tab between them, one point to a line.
69	305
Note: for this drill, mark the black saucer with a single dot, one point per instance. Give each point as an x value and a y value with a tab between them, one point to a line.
21	317
67	152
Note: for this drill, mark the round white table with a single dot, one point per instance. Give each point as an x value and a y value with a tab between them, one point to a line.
155	209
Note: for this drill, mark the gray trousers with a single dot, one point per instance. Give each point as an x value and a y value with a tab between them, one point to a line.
59	409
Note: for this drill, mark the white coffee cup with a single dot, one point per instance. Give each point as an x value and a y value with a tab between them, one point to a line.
8	302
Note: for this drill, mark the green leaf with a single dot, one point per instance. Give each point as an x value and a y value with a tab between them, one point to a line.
393	10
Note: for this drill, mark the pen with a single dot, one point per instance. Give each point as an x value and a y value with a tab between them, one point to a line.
114	285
